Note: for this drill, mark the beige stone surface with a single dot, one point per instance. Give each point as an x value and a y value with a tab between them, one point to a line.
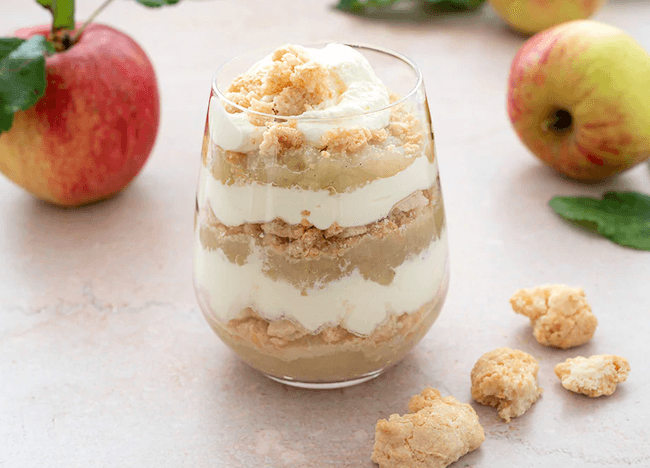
106	361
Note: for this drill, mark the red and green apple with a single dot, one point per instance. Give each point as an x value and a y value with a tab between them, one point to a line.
579	99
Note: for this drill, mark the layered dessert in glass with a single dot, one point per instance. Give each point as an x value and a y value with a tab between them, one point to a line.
320	253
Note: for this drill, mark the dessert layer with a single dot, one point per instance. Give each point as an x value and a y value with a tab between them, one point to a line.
237	204
316	84
353	302
344	160
281	348
309	258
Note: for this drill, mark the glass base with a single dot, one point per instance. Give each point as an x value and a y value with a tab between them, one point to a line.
326	385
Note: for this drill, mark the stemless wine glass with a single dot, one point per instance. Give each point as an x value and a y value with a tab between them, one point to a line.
320	251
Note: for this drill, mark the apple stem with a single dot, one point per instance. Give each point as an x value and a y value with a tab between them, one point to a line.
90	19
62	15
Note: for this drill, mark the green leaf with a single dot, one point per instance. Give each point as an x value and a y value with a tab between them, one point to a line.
451	5
622	217
359	6
157	3
8	45
22	75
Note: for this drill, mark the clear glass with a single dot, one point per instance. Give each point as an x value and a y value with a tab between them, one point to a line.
320	251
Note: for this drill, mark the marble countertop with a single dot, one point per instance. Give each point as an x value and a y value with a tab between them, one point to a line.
105	360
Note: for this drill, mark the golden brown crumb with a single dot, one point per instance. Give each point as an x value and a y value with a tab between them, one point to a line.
436	432
343	141
290	85
506	379
559	314
279	138
594	376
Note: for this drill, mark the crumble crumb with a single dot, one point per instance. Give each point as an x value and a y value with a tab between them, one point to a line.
279	138
289	85
343	141
435	433
594	376
559	314
506	379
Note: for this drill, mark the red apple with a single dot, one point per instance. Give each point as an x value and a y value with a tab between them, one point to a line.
579	99
94	128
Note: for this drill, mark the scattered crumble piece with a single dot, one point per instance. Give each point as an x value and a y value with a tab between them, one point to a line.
435	433
559	314
506	379
594	376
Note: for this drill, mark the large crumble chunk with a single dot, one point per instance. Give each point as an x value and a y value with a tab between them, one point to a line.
594	376
290	84
506	379
559	314
435	433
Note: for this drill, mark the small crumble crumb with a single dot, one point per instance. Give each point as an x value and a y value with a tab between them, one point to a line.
279	138
559	314
594	376
506	378
435	433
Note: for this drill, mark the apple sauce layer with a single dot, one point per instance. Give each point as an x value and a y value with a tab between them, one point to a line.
280	348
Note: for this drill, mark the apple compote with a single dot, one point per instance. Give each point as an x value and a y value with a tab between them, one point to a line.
320	253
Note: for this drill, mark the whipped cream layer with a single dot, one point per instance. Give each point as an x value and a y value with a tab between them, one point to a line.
225	288
358	102
234	204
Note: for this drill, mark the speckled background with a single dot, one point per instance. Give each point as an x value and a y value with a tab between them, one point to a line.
105	360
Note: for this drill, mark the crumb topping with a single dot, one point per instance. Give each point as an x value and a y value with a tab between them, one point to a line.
506	379
559	314
343	141
435	433
290	84
278	139
594	376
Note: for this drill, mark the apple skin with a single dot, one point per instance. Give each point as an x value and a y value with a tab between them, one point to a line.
94	128
533	16
597	76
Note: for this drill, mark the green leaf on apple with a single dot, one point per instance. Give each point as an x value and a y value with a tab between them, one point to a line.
359	6
157	3
22	75
622	217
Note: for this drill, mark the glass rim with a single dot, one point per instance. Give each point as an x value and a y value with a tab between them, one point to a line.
356	45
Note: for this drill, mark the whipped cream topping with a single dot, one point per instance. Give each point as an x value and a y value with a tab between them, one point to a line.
234	205
357	304
358	94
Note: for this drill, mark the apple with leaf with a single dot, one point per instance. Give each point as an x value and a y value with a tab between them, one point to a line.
79	107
